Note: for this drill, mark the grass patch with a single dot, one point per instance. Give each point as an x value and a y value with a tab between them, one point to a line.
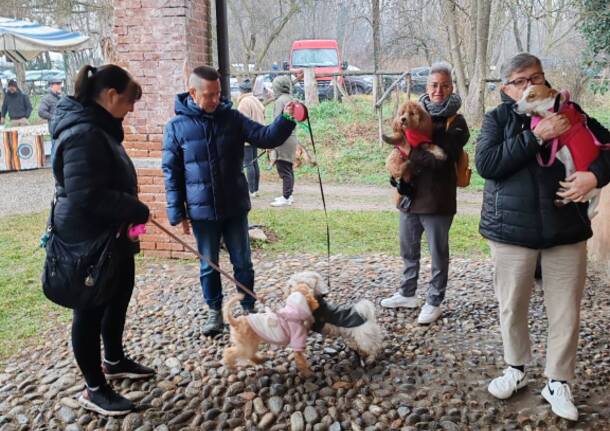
348	146
354	232
24	311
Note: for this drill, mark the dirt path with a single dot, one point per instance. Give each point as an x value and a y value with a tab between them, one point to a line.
31	191
352	197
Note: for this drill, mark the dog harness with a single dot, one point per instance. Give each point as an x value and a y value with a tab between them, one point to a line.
287	326
582	143
344	316
414	139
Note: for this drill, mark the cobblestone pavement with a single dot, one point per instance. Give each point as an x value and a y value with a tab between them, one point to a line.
428	377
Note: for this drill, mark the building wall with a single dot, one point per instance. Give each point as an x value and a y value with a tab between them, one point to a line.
153	39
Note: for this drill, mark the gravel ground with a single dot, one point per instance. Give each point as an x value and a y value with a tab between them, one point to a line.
428	378
31	191
26	191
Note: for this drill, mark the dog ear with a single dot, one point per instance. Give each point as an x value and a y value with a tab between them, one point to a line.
395	139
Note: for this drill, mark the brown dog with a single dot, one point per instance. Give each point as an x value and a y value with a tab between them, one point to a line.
412	129
289	325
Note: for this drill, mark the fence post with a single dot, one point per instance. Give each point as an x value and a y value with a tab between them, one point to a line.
311	86
380	122
335	89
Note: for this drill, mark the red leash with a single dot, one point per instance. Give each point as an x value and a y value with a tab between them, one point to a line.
205	259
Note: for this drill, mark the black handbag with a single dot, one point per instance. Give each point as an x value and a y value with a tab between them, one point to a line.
80	275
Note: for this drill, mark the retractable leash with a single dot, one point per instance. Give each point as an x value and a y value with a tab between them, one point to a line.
300	115
205	259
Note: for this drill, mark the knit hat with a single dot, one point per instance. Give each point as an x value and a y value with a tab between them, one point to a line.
245	86
281	85
12	83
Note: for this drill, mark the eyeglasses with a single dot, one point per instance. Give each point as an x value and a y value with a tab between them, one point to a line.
436	86
535	79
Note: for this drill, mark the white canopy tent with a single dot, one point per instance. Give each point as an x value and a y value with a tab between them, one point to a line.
22	40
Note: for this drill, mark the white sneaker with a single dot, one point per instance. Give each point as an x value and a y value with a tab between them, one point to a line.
281	202
428	314
560	398
397	300
290	198
254	194
505	386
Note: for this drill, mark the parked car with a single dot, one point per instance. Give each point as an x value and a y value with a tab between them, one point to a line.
419	79
263	88
234	84
322	55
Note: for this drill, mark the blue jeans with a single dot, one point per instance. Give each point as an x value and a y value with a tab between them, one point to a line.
234	230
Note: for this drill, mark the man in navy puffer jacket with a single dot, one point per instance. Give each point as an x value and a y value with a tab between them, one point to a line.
203	152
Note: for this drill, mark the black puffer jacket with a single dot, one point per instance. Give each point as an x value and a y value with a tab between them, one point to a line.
435	181
518	200
95	181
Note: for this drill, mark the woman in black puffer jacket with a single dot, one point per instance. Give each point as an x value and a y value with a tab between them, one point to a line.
96	189
521	222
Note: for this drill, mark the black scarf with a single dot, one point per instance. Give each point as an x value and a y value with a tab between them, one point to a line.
448	108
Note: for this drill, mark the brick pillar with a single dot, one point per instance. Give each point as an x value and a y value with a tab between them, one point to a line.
599	245
152	40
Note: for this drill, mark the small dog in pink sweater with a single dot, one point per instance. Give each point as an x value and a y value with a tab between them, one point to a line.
288	326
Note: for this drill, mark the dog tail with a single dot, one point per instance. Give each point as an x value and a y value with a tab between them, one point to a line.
226	309
366	309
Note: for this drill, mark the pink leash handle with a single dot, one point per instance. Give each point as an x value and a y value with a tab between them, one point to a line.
136	230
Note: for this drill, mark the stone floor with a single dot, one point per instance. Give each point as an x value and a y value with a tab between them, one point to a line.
427	378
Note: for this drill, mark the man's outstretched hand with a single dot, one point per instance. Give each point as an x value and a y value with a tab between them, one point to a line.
289	108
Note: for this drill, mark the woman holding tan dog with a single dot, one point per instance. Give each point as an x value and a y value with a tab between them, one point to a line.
521	221
428	202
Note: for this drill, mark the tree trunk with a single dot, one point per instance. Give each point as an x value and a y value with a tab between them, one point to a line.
376	48
20	77
449	12
475	101
516	30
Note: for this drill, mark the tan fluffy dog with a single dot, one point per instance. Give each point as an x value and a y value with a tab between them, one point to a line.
412	128
246	339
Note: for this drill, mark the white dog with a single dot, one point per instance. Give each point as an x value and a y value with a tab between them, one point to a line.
355	323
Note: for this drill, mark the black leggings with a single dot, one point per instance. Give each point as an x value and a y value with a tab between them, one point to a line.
284	168
107	320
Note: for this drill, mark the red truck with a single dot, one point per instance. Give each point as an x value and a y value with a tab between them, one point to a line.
323	56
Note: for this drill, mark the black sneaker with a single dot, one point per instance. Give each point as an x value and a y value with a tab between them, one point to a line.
127	369
214	324
105	401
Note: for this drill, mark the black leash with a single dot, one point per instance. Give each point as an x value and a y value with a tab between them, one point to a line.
315	154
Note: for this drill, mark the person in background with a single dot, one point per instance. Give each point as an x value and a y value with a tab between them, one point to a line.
16	105
48	102
206	189
429	201
96	190
521	222
286	152
252	108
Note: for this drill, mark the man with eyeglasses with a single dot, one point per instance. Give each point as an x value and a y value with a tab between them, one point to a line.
521	222
428	202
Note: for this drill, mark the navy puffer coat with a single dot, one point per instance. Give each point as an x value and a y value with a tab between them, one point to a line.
203	159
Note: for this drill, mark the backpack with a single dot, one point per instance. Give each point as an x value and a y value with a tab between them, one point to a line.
462	165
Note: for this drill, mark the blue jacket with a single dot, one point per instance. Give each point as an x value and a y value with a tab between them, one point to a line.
203	159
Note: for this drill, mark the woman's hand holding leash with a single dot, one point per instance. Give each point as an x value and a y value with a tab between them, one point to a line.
577	186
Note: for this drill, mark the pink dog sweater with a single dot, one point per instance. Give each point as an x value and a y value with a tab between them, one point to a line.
289	325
